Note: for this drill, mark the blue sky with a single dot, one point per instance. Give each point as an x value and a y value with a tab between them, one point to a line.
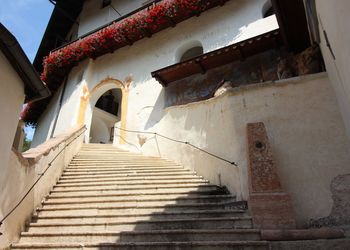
27	21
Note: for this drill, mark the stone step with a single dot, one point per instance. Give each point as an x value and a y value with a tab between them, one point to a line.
179	199
119	160
139	216
130	183
119	157
118	168
99	167
91	209
155	187
168	204
142	236
140	193
101	176
186	245
122	159
149	172
146	178
127	225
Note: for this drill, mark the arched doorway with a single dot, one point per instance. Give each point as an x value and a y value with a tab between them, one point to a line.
113	109
105	114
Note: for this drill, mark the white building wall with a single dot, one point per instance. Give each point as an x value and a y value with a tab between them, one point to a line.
304	127
46	121
94	16
299	115
218	27
11	101
334	19
101	125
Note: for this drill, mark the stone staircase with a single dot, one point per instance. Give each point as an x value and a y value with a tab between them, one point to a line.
112	199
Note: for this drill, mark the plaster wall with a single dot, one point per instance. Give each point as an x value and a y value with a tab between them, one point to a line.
101	125
11	101
305	130
94	16
334	19
21	173
218	27
46	121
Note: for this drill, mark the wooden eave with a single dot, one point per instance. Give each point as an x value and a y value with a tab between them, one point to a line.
219	57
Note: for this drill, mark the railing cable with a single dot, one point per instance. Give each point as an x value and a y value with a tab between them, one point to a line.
178	141
40	176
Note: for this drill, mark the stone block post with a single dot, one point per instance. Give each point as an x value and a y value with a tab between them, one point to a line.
270	207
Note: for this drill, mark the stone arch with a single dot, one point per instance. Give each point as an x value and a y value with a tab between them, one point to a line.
89	99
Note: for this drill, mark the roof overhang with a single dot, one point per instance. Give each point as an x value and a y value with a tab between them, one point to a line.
61	21
34	88
292	21
219	57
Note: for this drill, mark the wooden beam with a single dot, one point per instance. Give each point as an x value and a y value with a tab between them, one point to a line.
201	67
159	79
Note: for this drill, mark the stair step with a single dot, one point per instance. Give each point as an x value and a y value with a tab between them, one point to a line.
179	199
191	186
113	193
150	178
120	158
101	176
121	163
150	172
141	236
186	245
131	183
111	167
116	185
138	205
113	199
109	170
140	215
129	225
89	209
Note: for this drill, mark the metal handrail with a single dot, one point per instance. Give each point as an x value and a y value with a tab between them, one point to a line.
40	176
178	141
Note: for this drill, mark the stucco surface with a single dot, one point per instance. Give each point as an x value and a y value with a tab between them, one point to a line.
301	115
23	171
218	27
101	125
304	127
11	100
334	20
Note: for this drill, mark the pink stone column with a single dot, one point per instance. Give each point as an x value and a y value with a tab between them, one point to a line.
270	207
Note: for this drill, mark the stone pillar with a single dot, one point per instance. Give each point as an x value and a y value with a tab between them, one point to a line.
270	207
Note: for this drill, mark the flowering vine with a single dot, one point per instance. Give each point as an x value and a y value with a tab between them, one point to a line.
119	34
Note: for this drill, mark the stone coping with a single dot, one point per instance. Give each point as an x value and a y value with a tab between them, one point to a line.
255	86
33	155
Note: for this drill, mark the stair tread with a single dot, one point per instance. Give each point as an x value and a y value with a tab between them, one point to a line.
144	199
41	224
139	213
153	232
106	193
222	243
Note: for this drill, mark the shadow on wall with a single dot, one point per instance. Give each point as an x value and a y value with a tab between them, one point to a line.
157	111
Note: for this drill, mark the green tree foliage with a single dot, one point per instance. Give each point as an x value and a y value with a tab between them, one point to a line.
26	145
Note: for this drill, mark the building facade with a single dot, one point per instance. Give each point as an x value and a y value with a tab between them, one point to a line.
163	78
